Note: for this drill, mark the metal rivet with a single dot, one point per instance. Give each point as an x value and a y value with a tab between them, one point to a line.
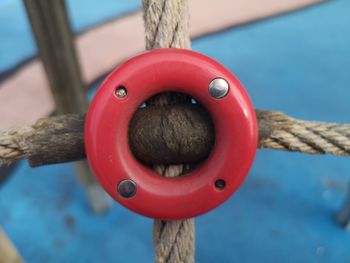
121	92
218	88
220	184
127	188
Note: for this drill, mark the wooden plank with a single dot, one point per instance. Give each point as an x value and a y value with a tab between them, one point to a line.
8	252
343	217
54	39
50	25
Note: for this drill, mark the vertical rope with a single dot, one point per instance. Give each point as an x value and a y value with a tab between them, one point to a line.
167	25
173	241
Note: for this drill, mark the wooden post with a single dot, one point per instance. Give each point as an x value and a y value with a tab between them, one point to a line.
50	25
8	252
343	217
54	39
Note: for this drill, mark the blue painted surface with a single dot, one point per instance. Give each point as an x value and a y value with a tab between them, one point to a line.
284	212
16	40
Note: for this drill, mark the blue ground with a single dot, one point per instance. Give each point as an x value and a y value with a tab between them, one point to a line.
297	63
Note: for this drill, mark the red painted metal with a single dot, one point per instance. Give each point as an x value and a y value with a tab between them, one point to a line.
153	72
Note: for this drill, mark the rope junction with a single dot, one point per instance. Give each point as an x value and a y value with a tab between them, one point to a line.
276	131
167	25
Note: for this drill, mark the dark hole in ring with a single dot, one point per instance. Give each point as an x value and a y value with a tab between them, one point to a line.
220	184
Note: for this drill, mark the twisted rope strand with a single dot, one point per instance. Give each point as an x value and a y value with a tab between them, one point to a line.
167	25
290	134
276	131
173	240
10	147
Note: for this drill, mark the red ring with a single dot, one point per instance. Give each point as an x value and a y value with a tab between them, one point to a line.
106	134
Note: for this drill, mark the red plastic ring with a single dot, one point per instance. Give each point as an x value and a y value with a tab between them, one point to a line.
206	187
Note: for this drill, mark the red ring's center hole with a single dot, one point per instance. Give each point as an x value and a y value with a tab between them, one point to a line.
171	128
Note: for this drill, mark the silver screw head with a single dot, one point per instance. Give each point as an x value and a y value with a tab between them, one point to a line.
218	88
121	92
127	188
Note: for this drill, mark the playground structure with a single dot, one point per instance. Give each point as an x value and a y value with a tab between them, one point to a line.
44	143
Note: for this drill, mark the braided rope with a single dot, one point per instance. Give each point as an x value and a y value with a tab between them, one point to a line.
173	240
276	131
290	134
167	25
10	148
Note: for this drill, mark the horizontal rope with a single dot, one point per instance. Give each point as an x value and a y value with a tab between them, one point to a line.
10	149
290	134
276	131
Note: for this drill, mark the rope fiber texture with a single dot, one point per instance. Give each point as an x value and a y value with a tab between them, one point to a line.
167	26
173	241
289	134
10	148
66	135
